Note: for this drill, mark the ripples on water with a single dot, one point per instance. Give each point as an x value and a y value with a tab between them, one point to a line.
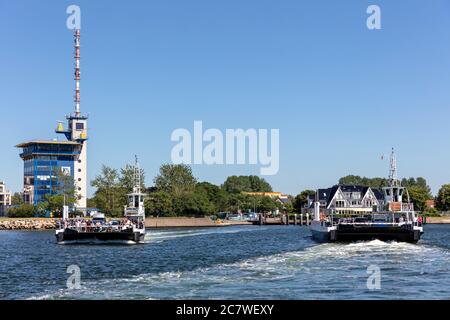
271	262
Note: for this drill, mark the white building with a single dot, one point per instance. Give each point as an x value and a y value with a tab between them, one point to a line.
5	198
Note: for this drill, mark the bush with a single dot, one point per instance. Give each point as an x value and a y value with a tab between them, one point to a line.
22	211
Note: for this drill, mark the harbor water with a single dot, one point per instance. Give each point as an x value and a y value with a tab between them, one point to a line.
242	262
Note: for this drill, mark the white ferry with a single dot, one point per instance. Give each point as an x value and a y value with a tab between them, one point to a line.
396	221
130	230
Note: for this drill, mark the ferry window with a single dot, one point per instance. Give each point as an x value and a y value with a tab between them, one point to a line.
80	126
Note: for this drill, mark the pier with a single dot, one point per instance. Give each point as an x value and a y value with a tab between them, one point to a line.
303	219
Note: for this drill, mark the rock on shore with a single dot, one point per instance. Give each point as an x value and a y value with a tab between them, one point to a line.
27	224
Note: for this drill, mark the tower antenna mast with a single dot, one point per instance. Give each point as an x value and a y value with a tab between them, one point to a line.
77	71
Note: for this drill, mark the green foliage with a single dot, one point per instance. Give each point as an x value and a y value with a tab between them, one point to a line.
126	180
178	193
301	200
377	183
431	212
22	211
17	199
159	204
215	195
443	198
193	204
238	184
418	196
112	189
419	182
267	204
175	179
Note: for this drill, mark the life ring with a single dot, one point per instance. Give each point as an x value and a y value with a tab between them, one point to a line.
322	217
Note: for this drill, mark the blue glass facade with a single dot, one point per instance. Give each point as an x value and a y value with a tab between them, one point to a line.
42	163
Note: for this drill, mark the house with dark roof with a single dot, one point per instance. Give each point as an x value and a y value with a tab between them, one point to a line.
346	199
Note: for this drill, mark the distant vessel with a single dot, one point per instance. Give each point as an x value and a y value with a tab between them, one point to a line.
130	230
397	221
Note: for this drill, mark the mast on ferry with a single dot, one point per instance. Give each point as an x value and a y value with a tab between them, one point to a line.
136	198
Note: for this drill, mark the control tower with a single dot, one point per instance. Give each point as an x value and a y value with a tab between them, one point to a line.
45	159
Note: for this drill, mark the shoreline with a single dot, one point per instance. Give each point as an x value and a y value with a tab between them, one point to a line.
40	224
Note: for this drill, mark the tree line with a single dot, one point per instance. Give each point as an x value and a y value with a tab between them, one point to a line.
176	192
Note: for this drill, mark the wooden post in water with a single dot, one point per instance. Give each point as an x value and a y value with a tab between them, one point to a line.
295	219
307	219
301	219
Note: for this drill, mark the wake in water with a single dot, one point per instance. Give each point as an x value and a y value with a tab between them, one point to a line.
323	271
168	234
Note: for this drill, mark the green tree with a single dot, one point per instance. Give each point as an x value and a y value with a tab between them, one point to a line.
215	195
55	203
159	204
363	181
238	184
17	199
192	204
127	178
109	196
267	204
443	198
175	179
301	200
22	211
418	196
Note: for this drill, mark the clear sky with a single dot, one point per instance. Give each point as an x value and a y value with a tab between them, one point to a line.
340	94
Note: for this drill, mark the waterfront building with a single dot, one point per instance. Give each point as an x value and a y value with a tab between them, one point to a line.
5	198
278	196
346	199
44	160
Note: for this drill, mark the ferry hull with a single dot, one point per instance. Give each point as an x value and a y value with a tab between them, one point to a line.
350	234
74	237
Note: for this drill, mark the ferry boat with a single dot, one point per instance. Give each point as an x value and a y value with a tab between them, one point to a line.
397	221
130	230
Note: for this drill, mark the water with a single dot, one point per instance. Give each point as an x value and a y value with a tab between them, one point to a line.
243	262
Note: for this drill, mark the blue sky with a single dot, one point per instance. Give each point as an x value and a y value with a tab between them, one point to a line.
340	94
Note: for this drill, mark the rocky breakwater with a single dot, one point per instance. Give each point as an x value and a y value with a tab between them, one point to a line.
27	224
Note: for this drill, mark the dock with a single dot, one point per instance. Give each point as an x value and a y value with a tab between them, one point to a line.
295	219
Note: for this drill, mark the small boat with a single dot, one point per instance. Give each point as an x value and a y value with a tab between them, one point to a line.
397	222
130	230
